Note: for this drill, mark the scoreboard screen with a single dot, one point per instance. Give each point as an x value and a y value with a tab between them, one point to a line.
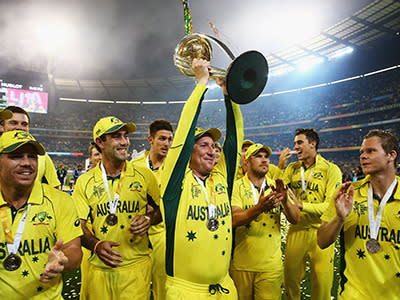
24	91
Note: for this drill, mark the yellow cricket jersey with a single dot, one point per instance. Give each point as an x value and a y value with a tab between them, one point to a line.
273	172
52	216
193	252
326	177
258	244
366	275
138	189
46	171
141	160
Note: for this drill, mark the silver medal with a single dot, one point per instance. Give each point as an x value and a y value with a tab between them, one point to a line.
212	224
12	262
373	245
112	219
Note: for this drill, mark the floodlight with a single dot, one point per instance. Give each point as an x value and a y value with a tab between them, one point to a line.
52	36
308	62
341	52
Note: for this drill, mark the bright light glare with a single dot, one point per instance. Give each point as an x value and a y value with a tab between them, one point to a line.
341	52
281	71
307	63
52	36
296	26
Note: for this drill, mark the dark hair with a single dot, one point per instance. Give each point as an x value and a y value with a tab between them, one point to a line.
103	138
389	141
159	124
311	135
18	110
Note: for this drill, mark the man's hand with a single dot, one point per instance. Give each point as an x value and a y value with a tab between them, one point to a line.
283	158
200	68
281	189
268	202
140	225
222	83
107	254
294	198
55	263
344	200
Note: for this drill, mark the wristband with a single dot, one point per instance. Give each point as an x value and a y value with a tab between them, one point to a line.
95	246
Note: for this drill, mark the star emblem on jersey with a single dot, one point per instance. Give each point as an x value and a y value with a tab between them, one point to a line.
191	236
387	256
215	236
39	289
25	273
104	229
361	253
35	259
398	274
360	208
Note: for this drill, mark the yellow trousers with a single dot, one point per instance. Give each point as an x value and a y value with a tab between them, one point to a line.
179	289
130	282
258	285
300	246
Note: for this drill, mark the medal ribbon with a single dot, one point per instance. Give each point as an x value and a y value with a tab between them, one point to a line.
375	224
303	183
113	203
6	225
211	203
12	246
253	189
148	162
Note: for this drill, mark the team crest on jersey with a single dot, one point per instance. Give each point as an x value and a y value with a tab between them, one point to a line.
220	189
195	190
318	175
135	187
360	208
248	193
98	191
41	218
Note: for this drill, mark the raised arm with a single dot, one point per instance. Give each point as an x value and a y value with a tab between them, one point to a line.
230	155
178	157
328	231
